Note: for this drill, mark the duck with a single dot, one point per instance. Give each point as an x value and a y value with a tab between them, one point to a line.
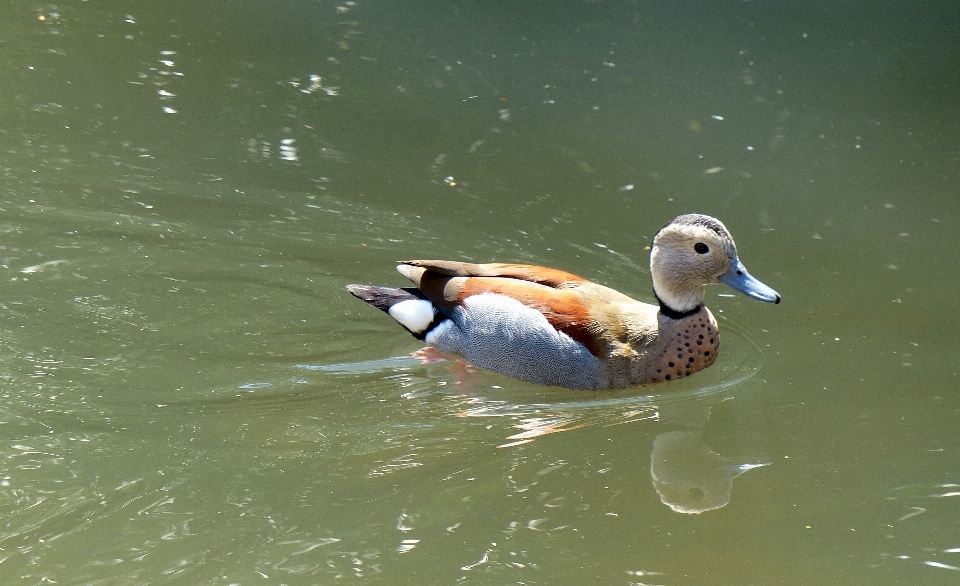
550	327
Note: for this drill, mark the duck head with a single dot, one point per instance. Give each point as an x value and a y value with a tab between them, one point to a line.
693	251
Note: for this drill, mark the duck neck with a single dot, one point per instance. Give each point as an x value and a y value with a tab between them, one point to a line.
673	313
682	298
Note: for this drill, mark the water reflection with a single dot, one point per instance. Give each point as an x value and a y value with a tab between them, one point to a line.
687	474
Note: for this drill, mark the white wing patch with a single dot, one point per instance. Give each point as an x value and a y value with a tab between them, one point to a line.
413	314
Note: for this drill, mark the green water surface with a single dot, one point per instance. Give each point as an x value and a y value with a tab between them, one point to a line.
188	394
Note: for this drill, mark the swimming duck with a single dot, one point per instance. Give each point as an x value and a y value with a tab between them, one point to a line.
550	327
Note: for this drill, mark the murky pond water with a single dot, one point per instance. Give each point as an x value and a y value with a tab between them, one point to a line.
190	396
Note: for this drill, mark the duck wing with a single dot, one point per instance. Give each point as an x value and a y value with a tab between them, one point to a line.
555	294
532	273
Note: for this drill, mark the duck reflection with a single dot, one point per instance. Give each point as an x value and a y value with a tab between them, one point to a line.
689	476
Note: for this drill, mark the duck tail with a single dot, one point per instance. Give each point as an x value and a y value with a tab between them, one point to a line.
407	305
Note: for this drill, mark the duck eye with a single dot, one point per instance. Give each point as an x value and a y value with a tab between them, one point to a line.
701	248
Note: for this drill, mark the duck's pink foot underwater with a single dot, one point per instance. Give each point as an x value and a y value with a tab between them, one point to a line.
430	355
464	373
551	327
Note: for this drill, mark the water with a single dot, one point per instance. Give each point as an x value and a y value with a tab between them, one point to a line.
190	396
